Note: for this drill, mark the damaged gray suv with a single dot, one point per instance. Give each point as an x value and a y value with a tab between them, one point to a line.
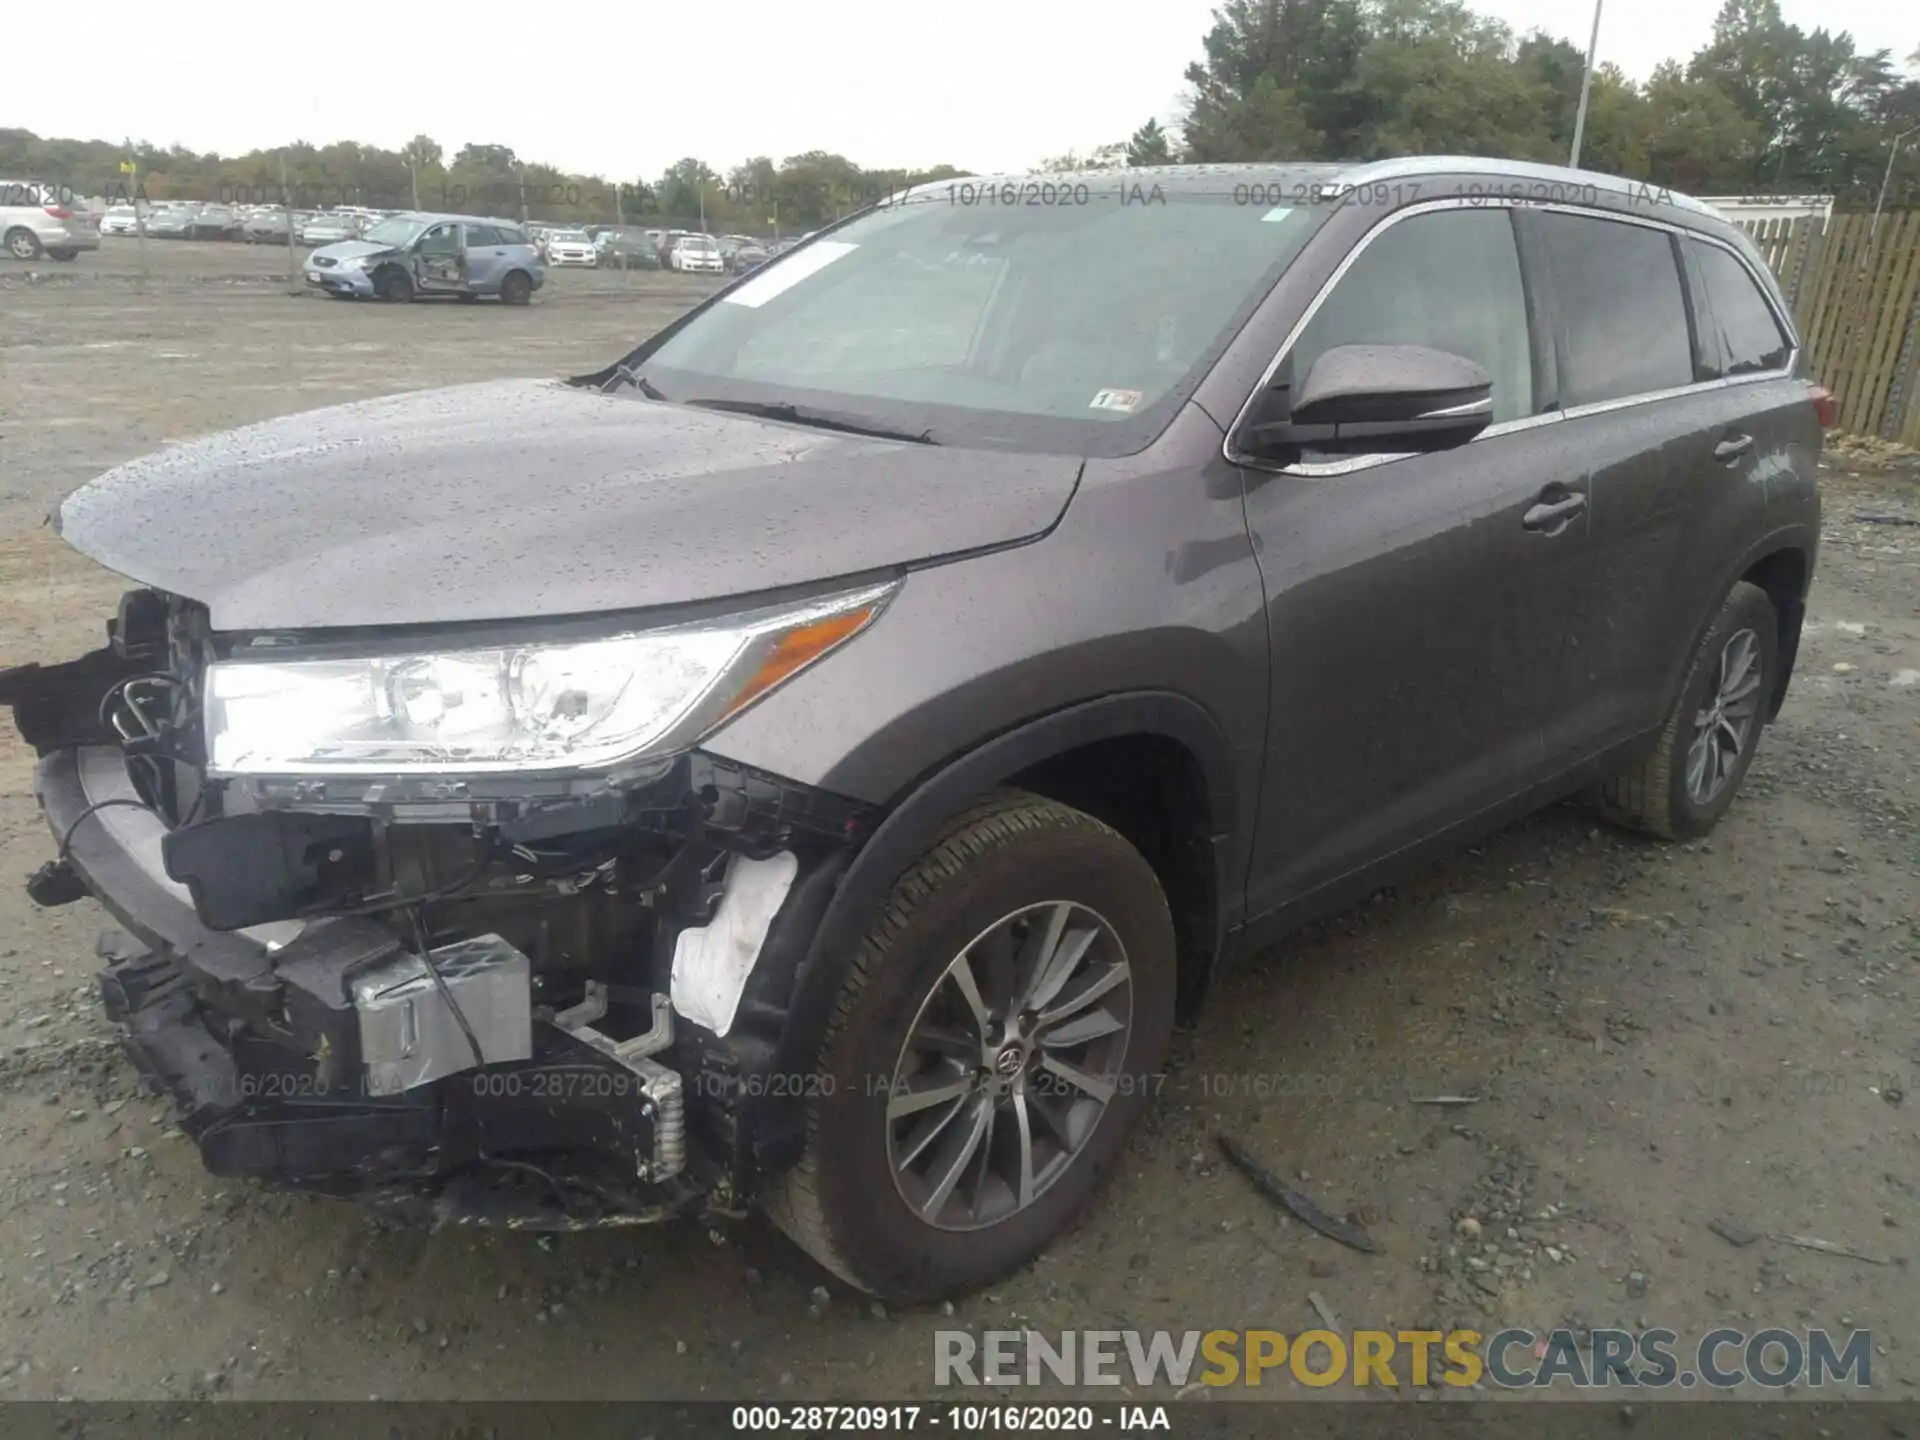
814	762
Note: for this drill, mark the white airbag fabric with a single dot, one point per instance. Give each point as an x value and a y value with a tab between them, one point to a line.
711	963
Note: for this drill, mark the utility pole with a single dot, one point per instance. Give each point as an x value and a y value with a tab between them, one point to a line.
1887	179
1586	89
132	170
286	209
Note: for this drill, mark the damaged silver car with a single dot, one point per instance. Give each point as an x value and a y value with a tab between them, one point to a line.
814	761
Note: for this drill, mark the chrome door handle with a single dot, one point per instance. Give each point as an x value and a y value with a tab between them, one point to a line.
1551	514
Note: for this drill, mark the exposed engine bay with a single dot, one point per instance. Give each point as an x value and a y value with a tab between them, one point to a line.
536	1000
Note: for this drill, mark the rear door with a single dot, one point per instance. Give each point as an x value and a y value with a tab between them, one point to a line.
1413	601
1669	456
486	251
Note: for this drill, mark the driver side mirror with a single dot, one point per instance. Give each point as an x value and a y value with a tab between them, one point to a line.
1372	399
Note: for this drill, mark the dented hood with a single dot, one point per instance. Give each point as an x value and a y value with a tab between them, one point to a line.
534	498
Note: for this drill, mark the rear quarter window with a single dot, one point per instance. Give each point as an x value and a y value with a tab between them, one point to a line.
1741	333
1623	314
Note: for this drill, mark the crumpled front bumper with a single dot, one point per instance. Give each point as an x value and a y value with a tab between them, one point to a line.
340	280
255	1036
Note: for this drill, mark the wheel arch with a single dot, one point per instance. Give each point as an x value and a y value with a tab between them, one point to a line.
1781	563
385	268
1784	572
1182	819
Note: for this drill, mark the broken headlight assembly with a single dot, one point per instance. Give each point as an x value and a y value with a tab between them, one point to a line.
523	708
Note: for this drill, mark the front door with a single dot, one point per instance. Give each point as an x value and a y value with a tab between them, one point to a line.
439	261
1413	611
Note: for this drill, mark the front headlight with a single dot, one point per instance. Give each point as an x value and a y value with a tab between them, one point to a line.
536	707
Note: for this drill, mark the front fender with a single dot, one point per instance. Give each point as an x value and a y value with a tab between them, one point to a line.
775	1121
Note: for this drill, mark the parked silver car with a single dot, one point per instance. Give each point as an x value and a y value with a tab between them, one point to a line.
326	229
35	220
423	255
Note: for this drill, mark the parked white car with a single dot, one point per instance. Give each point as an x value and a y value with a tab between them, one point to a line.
121	220
571	247
699	254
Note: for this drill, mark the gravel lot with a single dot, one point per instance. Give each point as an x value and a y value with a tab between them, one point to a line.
1660	1037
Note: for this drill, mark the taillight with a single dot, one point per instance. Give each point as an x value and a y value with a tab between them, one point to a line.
58	212
1826	407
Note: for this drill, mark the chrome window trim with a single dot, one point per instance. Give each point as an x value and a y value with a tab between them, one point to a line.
1328	468
1472	407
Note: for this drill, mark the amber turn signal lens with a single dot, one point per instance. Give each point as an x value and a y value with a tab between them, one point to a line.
797	648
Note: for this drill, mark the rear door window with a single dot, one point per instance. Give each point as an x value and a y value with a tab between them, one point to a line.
1449	279
1743	334
1622	311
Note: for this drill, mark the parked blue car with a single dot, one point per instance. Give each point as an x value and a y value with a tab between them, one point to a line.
405	256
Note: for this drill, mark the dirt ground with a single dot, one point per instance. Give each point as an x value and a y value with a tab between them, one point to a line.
1659	1037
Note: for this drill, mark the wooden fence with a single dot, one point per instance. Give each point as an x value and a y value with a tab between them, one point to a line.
1854	288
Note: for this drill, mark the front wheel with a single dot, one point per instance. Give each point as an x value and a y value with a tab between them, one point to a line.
516	289
394	285
1001	1027
23	244
1680	789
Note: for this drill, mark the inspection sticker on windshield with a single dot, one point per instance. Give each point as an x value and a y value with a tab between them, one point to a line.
1116	400
789	270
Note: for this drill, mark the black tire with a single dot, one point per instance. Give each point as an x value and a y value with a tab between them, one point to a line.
62	254
393	285
1653	794
841	1203
516	288
22	243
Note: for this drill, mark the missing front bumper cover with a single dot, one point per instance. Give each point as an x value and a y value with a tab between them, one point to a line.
605	1142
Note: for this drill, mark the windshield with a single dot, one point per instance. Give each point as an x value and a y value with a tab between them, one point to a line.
397	231
1075	324
574	235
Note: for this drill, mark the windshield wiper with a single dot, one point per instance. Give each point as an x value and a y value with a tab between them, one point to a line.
634	378
818	419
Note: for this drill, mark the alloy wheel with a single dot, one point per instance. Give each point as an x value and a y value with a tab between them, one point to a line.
1009	1065
1724	727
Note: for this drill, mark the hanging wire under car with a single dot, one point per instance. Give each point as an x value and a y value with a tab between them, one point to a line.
66	839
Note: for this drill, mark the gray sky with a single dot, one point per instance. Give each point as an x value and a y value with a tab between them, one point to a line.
623	91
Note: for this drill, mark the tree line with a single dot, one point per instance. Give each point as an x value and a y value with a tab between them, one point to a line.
1764	107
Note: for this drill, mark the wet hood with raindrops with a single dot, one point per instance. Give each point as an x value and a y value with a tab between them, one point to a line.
528	499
